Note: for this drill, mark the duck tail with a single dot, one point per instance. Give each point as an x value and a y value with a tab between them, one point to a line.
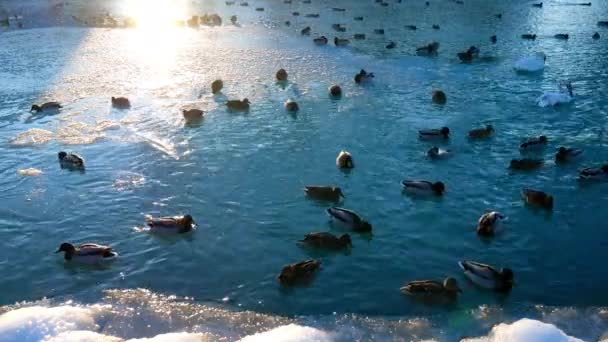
463	265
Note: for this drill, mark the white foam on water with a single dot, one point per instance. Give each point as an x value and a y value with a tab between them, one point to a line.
290	333
83	336
33	136
525	330
172	337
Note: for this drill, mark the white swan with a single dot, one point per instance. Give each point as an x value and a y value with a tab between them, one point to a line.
531	63
565	95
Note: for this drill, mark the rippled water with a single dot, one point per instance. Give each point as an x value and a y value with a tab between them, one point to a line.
241	175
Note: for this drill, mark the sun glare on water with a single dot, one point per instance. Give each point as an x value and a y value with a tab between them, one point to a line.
154	15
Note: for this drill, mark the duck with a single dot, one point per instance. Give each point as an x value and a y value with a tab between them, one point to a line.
602	23
379	31
321	40
493	39
411	27
350	219
561	36
312	15
595	173
306	31
565	155
325	193
430	49
70	160
437	153
432	134
345	160
488	222
216	86
324	240
300	272
121	102
534	144
596	35
481	133
259	9
439	97
468	55
537	198
87	252
528	36
533	63
281	75
46	107
436	27
338	27
287	23
341	41
233	19
192	115
499	15
175	224
238	105
291	106
358	18
449	287
359	36
338	9
564	96
335	91
540	4
391	45
526	164
487	276
363	77
295	14
424	188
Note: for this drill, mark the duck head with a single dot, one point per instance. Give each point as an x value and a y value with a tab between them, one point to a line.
61	155
445	131
489	128
438	188
35	108
507	275
188	220
451	285
338	191
345	240
216	86
364	226
548	201
281	75
433	152
291	106
246	100
542	139
335	91
66	247
605	168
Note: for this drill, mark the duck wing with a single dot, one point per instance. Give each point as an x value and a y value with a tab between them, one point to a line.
88	249
423	287
481	274
425	132
344	215
307	266
416	184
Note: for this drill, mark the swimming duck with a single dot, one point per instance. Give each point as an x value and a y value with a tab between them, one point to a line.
526	164
487	276
358	18
291	106
596	35
233	19
121	103
88	252
345	160
295	14
192	115
326	193
534	144
300	272
337	9
306	31
493	39
281	75
48	106
540	4
335	91
338	27
341	41
430	49
435	27
438	97
287	23
481	133
436	153
350	219
595	173
565	95
528	36
260	9
312	15
532	63
565	155
216	86
321	40
363	77
537	198
238	105
391	45
359	36
379	31
70	160
469	55
329	241
499	15
425	188
488	222
561	36
411	27
449	287
431	134
229	3
602	23
244	4
175	224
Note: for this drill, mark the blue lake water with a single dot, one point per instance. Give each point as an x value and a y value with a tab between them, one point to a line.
241	175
